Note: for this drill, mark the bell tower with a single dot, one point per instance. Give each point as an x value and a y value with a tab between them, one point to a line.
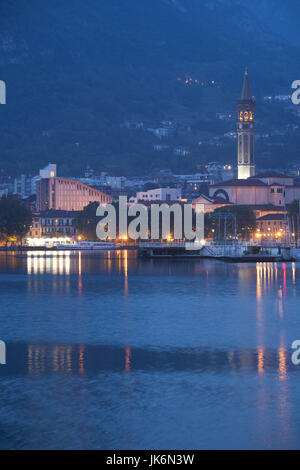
245	131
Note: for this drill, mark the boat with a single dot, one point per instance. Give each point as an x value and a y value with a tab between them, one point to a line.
89	246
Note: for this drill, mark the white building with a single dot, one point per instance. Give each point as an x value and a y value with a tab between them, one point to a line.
4	192
114	182
282	97
160	132
25	186
157	195
49	171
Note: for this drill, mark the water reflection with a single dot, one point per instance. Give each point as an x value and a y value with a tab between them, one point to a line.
125	264
270	278
64	263
127	359
284	402
124	338
79	274
68	262
81	359
78	359
50	262
273	278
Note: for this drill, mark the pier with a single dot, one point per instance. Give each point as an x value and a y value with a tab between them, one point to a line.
238	252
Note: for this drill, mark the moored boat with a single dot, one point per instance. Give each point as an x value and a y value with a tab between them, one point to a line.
89	246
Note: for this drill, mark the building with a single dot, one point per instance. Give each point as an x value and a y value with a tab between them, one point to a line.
52	223
3	192
160	132
245	131
157	195
264	189
271	226
266	193
209	204
260	210
6	185
195	182
65	194
104	179
25	186
49	171
35	230
57	222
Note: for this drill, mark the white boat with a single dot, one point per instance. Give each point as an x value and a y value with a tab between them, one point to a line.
91	246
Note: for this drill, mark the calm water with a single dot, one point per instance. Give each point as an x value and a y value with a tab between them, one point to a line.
107	351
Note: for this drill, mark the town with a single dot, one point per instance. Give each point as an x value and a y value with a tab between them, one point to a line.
62	207
150	227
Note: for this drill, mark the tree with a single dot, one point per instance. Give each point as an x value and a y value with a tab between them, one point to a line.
86	222
15	219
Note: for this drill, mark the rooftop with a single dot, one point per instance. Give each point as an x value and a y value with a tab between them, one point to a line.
246	94
236	182
267	207
271	217
271	174
53	213
213	200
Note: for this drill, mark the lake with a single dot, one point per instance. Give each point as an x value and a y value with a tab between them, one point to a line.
106	351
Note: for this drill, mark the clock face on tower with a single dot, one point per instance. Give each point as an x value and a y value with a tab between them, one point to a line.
246	116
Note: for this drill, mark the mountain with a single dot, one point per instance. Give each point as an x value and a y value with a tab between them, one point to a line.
282	18
75	71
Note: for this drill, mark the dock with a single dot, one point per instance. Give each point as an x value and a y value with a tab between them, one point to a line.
166	250
234	253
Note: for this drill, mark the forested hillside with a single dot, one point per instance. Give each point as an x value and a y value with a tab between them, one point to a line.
76	71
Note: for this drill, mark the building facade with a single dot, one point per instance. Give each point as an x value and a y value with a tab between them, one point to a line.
65	194
57	222
157	195
35	230
49	171
25	186
52	222
271	226
269	188
208	204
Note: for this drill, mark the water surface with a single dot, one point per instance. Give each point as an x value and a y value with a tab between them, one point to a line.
105	351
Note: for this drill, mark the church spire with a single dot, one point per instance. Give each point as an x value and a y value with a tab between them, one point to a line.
246	94
245	130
